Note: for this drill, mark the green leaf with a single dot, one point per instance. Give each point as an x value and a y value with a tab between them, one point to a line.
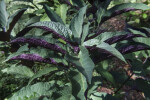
111	50
14	19
143	40
99	14
86	63
19	71
137	32
42	72
33	20
92	42
144	86
83	63
23	48
92	88
46	53
106	47
61	10
106	75
57	27
65	93
19	6
106	35
76	24
52	15
79	84
36	90
44	17
85	32
98	96
3	15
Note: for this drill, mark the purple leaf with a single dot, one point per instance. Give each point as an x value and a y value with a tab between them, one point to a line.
121	38
39	42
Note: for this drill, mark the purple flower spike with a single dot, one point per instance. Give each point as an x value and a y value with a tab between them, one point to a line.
124	50
117	12
133	48
39	42
37	58
121	38
33	57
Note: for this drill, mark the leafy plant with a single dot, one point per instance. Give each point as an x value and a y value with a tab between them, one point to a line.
76	52
7	23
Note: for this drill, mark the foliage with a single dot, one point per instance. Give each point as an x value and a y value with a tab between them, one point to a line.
65	58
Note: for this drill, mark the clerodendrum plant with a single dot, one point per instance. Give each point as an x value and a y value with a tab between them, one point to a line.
76	52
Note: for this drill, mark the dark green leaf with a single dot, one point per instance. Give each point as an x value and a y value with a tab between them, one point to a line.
105	47
56	28
19	71
79	84
85	32
42	72
65	93
79	3
3	15
36	90
52	15
14	18
83	63
104	73
76	24
144	86
33	20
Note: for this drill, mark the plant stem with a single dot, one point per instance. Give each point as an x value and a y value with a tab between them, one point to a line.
124	83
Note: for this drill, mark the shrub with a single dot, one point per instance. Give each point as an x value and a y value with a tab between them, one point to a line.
80	53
